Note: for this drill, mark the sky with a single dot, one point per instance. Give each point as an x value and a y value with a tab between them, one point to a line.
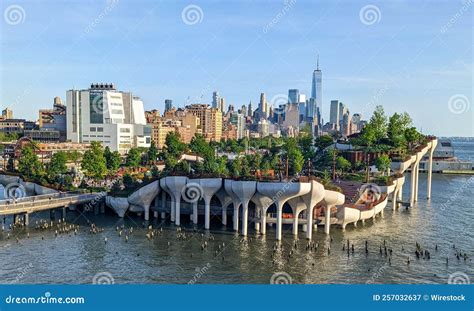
413	56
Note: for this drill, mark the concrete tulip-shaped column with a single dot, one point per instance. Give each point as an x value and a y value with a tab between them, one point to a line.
163	204
209	187
332	198
397	193
225	200
144	196
434	143
235	203
311	199
244	190
163	198
297	205
262	203
414	179
192	193
176	186
281	193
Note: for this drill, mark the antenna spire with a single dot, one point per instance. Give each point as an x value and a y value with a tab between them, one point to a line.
317	63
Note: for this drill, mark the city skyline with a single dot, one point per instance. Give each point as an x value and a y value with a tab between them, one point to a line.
365	63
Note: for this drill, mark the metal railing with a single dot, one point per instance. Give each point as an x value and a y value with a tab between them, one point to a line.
46	200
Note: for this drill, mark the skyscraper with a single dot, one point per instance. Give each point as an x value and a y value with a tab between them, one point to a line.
250	110
168	105
334	115
262	106
221	105
215	100
293	96
316	89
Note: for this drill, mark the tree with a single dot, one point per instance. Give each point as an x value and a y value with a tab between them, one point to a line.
235	167
93	161
74	156
305	143
324	141
397	125
29	164
295	157
134	158
112	159
201	147
382	163
412	136
174	147
342	164
57	165
369	136
152	152
378	122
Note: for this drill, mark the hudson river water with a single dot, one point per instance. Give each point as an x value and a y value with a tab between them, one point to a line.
445	221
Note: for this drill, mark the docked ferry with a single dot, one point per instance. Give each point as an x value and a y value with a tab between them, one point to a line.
445	161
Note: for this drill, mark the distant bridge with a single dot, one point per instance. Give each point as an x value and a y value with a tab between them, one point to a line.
32	204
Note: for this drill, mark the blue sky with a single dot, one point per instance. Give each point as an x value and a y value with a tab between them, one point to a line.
413	56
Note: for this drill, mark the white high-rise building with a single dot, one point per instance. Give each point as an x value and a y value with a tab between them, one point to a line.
263	128
103	114
316	90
